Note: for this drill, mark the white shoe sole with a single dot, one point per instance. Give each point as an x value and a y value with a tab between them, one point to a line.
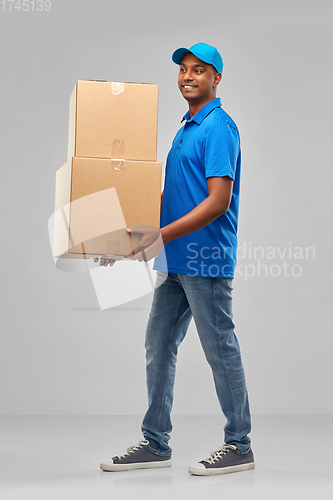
200	470
109	467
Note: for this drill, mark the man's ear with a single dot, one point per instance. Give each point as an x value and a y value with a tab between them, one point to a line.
217	79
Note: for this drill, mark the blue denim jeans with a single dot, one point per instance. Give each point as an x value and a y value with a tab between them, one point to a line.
209	301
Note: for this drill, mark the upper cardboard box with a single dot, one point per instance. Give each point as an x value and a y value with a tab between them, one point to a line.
113	120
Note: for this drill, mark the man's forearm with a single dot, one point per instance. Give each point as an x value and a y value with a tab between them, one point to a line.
204	213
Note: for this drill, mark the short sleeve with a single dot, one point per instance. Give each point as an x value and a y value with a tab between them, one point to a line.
222	148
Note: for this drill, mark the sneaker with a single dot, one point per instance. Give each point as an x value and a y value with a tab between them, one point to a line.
136	457
223	461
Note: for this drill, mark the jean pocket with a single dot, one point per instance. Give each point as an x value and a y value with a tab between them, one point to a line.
229	282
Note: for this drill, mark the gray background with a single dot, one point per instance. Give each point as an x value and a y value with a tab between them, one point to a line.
60	353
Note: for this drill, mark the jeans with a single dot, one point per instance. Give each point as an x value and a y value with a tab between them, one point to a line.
209	301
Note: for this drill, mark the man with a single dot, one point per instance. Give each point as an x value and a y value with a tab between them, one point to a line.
199	218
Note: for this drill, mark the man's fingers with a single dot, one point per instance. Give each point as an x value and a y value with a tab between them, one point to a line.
109	262
105	262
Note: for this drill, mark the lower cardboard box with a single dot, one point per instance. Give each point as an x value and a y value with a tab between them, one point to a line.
97	199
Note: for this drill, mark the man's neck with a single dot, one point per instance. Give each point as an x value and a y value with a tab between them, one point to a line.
195	107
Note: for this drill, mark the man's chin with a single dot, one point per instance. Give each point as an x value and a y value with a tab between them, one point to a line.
188	97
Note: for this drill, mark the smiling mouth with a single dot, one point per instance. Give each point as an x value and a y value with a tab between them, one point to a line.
189	87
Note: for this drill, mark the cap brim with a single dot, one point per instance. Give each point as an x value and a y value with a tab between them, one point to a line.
179	54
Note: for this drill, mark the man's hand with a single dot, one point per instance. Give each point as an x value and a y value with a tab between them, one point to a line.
104	261
150	245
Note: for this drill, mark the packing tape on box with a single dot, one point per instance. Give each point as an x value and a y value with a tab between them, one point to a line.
117	88
118	164
118	153
83	251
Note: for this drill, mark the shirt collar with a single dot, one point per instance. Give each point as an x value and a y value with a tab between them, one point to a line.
203	112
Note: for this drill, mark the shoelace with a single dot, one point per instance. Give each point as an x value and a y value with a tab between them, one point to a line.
136	447
217	454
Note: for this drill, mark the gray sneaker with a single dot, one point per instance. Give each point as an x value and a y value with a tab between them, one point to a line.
223	461
136	457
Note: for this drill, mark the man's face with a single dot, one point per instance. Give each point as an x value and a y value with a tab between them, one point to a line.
197	80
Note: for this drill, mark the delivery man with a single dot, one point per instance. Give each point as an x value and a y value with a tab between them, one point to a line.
199	218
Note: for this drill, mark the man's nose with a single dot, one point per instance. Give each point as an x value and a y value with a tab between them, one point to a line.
187	76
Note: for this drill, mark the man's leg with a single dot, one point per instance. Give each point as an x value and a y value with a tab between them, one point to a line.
167	326
210	300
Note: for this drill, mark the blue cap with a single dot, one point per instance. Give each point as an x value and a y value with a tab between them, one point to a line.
202	51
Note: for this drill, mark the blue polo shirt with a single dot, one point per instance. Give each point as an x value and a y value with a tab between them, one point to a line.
208	145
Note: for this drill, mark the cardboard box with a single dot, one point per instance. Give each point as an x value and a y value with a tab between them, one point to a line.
113	120
97	199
